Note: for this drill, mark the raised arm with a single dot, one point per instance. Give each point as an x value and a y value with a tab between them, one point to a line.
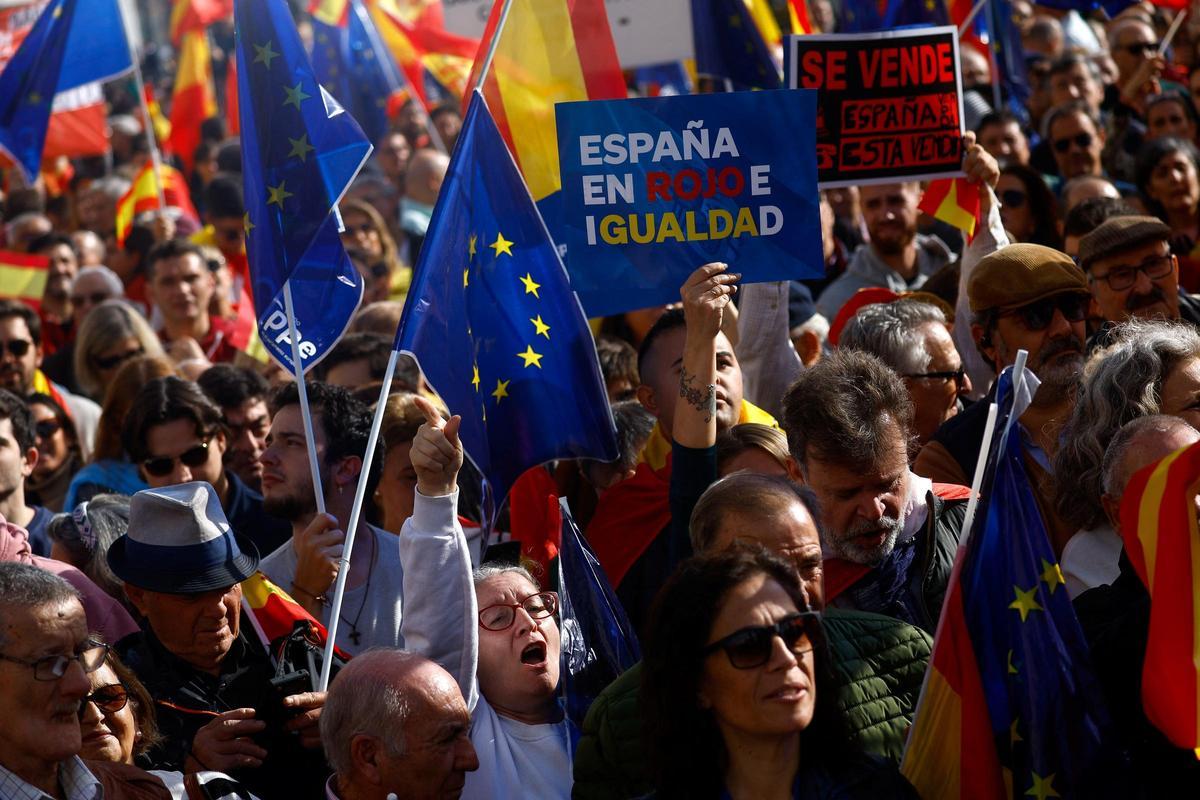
439	617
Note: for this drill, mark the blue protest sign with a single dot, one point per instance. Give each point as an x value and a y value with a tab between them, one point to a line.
652	188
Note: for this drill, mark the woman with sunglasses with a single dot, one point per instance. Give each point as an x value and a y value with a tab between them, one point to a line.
1027	207
737	696
493	629
118	724
59	457
1168	178
111	335
366	232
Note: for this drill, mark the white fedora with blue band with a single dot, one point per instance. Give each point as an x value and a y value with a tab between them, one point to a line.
180	542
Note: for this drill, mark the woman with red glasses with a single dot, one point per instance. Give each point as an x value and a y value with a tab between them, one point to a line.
737	698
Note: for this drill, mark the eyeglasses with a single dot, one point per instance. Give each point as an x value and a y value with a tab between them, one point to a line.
95	298
1037	316
160	466
1140	48
18	347
1121	278
956	375
500	617
1013	198
112	362
47	428
109	699
51	668
751	647
1081	140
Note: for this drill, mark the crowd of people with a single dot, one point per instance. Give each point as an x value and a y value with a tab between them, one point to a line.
780	526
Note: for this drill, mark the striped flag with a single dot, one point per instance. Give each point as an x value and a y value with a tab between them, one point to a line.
193	99
799	17
143	196
1158	523
23	277
550	51
274	613
954	201
422	45
192	15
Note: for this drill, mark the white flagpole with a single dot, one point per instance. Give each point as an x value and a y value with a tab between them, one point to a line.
302	390
966	23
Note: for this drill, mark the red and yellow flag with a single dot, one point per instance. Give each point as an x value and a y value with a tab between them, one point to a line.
191	15
143	196
799	17
193	99
550	51
274	611
954	201
23	277
1158	524
418	42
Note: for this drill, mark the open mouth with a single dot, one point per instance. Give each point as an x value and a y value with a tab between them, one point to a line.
534	653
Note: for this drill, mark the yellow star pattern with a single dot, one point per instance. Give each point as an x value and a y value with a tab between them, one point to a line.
501	245
247	224
1052	575
278	194
1011	669
475	378
466	276
542	328
35	98
57	12
295	95
471	245
263	54
531	357
300	147
501	390
530	286
1025	602
1042	787
1013	735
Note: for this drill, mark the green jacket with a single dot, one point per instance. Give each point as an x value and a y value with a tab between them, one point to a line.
879	662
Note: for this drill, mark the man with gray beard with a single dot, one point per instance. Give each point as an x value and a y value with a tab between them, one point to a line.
888	536
1022	297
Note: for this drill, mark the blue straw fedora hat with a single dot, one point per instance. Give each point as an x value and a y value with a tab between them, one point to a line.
180	542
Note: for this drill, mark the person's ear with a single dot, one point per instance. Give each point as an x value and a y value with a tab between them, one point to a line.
1112	510
365	751
29	462
808	345
345	472
793	471
983	343
645	396
137	597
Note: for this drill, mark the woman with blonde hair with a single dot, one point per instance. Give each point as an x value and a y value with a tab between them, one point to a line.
110	335
367	233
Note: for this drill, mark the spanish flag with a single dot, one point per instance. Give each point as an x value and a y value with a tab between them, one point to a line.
954	201
550	51
1158	524
274	613
23	277
194	98
191	15
419	43
143	196
799	18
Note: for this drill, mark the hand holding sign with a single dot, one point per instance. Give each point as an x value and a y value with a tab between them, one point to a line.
706	294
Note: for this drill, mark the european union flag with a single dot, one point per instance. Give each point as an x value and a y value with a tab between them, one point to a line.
494	324
355	66
729	45
1005	41
867	16
300	151
70	44
598	641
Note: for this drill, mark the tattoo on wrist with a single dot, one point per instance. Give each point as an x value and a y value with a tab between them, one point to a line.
700	399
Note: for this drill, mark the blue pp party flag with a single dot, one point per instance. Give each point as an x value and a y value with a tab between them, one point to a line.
598	641
493	322
729	45
71	43
352	62
300	151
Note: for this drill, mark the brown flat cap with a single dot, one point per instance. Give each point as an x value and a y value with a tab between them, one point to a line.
1119	234
1020	274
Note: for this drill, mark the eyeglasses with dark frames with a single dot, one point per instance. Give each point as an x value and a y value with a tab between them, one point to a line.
1038	316
160	466
1081	140
1121	278
501	616
109	699
17	347
51	668
751	647
956	375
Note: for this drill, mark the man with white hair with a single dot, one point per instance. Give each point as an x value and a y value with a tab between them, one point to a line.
395	725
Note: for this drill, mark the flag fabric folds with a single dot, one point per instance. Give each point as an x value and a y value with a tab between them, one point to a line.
23	277
493	322
72	43
550	51
300	151
1158	523
196	15
598	641
421	46
955	201
729	45
274	613
1011	707
143	196
194	97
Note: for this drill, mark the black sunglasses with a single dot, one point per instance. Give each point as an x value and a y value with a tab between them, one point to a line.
160	466
18	347
956	375
47	428
1140	48
1037	316
112	362
751	647
109	699
1013	198
1082	140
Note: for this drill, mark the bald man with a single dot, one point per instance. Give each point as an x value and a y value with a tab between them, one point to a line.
395	725
426	171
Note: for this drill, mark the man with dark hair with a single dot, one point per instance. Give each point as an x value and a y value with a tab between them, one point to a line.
358	361
46	655
618	366
180	285
889	539
1074	77
1001	135
1076	139
1088	215
20	373
175	434
242	395
308	565
56	299
18	457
